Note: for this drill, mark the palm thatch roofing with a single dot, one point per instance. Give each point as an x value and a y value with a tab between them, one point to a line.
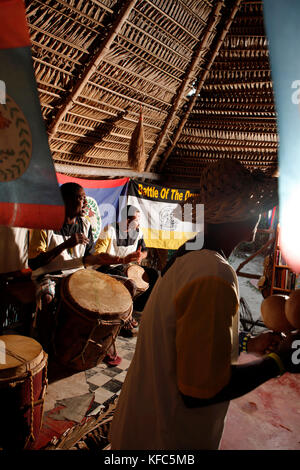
198	69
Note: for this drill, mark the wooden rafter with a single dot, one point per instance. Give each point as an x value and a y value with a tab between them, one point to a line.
178	99
149	64
92	67
100	172
200	84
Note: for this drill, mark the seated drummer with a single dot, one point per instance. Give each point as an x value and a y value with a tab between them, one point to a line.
55	254
125	243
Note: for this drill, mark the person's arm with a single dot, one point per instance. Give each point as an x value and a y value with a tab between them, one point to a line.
141	250
38	254
102	257
205	309
261	344
107	259
246	377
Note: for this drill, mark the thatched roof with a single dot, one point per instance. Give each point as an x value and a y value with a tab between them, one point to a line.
199	69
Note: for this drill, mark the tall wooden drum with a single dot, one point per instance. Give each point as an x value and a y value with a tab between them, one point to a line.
23	383
92	310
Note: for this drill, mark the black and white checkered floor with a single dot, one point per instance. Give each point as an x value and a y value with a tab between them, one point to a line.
82	394
106	382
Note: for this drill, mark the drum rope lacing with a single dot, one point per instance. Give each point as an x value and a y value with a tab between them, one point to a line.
92	340
25	362
32	404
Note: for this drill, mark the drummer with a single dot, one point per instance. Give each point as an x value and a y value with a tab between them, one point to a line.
55	254
125	241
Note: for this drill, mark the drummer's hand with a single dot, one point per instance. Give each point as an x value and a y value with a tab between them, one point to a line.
264	343
139	251
132	257
100	258
76	239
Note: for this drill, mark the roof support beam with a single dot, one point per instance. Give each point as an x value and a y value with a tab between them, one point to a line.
98	172
200	84
181	92
92	67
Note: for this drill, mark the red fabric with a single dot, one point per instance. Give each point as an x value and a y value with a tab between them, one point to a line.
91	183
16	411
14	29
32	215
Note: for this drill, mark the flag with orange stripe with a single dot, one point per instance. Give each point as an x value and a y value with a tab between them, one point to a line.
29	192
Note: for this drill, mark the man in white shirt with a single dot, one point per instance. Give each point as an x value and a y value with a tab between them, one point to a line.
55	254
124	242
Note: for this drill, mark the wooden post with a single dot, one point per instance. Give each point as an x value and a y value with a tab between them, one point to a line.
108	172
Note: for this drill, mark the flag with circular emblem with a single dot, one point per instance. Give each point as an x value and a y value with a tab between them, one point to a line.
29	192
105	199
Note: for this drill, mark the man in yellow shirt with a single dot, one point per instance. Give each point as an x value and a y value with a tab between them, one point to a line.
184	373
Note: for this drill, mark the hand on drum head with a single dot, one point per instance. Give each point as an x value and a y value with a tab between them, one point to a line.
132	257
264	343
76	239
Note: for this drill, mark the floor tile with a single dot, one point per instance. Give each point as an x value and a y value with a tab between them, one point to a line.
129	355
113	385
94	409
124	364
101	395
112	371
91	372
99	379
121	340
121	377
92	387
111	399
99	367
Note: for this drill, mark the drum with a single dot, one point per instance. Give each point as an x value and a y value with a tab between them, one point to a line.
137	274
23	383
92	309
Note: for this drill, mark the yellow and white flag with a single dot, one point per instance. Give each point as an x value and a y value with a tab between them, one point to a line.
161	229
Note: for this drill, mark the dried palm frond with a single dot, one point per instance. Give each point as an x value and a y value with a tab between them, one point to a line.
136	151
92	434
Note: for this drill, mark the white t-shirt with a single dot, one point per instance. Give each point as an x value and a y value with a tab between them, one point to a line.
69	261
188	339
13	248
108	242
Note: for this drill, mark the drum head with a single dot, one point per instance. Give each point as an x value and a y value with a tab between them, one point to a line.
138	275
98	293
18	354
